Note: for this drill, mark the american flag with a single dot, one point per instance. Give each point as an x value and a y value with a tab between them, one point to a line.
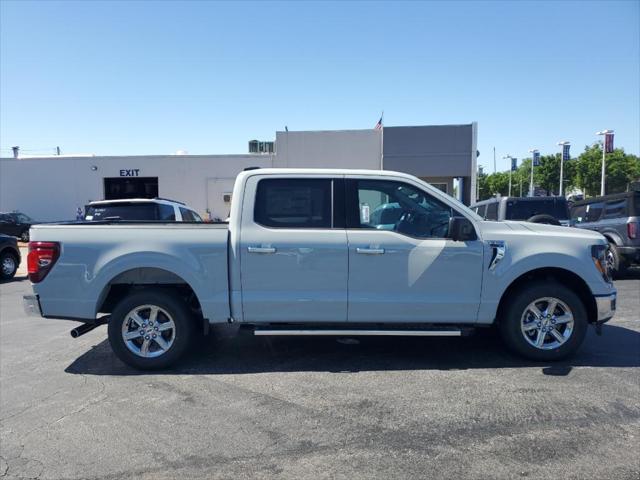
378	125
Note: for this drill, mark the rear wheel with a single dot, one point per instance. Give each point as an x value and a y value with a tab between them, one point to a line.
8	265
151	329
544	321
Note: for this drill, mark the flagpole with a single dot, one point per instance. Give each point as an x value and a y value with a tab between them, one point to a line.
604	153
562	147
382	141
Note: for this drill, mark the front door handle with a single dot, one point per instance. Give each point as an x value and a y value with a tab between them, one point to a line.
370	251
261	249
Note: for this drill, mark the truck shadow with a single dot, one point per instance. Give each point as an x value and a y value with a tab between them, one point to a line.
233	353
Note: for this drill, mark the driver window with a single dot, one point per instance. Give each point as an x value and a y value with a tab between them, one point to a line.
400	207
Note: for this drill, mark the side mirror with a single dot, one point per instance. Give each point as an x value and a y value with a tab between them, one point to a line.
461	229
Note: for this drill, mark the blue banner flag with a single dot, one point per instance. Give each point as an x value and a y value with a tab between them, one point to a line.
514	164
536	159
565	153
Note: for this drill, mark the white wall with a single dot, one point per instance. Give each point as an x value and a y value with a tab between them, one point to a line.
329	149
50	189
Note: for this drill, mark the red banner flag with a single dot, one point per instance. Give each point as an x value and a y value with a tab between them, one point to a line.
608	143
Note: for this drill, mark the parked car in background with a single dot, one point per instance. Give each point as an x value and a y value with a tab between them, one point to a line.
9	257
302	255
617	217
549	210
140	209
16	224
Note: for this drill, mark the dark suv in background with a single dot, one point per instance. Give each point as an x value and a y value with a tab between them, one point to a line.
617	217
9	257
16	224
549	210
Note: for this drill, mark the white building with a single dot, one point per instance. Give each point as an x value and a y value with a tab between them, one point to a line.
53	188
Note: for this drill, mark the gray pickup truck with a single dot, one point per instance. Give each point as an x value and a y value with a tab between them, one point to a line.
617	218
303	254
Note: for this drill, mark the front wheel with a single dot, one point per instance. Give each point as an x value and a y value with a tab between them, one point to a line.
150	329
24	236
615	263
544	321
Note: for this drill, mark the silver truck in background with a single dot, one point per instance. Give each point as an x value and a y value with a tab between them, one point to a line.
314	252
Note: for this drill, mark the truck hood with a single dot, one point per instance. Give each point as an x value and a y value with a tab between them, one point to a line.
493	230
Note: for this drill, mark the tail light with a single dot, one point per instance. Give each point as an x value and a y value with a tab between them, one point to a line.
632	230
41	259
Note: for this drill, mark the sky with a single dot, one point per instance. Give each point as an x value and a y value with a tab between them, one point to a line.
143	77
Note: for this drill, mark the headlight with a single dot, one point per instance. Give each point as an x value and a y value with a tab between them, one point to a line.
599	256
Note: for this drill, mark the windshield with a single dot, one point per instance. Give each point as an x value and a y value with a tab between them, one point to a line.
525	209
121	211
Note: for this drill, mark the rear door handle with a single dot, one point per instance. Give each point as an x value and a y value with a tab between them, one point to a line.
261	249
370	251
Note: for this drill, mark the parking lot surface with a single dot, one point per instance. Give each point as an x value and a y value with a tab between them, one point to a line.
260	407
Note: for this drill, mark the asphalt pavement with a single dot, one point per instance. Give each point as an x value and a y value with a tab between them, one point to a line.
268	407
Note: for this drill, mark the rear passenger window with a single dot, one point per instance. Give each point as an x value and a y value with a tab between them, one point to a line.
492	211
615	209
167	213
293	203
594	210
189	215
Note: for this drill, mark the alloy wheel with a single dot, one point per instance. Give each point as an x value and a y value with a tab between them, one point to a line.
547	323
148	331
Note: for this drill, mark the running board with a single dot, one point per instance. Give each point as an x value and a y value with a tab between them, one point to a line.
356	332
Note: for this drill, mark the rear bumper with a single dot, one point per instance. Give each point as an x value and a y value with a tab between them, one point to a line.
31	305
606	306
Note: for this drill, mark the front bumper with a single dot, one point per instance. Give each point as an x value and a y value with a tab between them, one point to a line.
606	306
31	305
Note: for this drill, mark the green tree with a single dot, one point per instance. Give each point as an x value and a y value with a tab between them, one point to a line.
547	175
621	168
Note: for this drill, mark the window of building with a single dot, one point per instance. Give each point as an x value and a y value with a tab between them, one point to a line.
293	203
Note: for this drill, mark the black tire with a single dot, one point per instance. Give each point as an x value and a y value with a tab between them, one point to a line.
544	218
510	321
172	304
615	262
24	236
9	258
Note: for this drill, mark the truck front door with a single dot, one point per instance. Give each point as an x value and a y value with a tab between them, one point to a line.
293	250
402	266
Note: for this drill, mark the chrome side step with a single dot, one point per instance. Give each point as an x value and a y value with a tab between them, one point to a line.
356	332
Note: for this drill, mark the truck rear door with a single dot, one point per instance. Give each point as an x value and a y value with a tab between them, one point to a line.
293	249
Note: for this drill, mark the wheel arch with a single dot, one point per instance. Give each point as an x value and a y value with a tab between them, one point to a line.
563	276
144	277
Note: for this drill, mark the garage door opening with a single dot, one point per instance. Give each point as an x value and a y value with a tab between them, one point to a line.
139	187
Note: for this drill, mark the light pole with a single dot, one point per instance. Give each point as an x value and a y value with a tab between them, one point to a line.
562	144
604	151
510	171
533	159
